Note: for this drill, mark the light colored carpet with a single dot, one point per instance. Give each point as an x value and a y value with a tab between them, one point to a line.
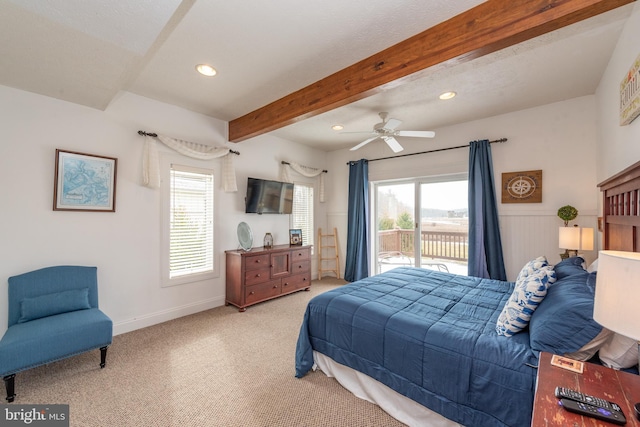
215	368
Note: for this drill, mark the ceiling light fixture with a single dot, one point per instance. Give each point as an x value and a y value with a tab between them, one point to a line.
337	127
206	70
447	95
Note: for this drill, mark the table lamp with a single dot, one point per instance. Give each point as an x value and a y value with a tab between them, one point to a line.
569	240
573	239
586	239
617	294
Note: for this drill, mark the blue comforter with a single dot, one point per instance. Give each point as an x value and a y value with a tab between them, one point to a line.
431	337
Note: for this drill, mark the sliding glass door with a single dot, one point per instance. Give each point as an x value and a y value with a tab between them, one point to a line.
422	223
395	232
444	225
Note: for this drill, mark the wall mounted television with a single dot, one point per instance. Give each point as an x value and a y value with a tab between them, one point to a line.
268	197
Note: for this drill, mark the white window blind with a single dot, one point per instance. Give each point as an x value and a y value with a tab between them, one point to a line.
302	212
191	221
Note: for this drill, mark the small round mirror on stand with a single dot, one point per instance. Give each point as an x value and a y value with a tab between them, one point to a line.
245	236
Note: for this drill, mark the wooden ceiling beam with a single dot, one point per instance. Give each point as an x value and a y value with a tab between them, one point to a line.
489	27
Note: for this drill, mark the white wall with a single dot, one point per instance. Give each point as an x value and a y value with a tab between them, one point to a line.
559	138
125	245
618	146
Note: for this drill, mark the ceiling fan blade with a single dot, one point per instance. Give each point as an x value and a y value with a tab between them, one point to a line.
416	133
363	143
393	143
391	124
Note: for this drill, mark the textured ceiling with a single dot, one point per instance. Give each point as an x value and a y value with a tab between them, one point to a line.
86	52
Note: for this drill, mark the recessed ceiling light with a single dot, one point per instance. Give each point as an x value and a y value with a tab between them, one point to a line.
337	127
206	70
447	95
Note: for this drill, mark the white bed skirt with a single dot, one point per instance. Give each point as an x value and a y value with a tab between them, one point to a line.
398	406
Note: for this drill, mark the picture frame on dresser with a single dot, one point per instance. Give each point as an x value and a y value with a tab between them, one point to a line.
295	237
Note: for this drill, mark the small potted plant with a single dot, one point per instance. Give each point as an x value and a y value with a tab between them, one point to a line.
566	213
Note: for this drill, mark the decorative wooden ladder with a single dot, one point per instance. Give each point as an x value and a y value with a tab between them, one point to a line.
328	253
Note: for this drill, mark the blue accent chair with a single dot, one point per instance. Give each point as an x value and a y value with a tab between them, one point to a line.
53	314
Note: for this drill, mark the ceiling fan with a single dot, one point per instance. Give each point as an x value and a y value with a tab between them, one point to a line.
386	130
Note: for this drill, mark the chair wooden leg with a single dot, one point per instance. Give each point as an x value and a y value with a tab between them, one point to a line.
103	356
10	384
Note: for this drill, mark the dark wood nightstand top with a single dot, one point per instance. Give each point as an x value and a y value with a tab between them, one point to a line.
619	387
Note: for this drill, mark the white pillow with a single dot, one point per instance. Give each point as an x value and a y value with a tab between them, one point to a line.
619	353
589	349
593	266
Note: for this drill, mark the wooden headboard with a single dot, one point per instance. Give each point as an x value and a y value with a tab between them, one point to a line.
621	210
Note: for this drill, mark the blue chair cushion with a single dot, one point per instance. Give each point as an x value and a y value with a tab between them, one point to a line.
50	280
30	344
52	304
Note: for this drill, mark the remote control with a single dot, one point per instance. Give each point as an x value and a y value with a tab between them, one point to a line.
567	393
616	417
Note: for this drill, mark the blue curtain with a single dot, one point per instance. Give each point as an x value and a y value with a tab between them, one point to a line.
485	246
357	260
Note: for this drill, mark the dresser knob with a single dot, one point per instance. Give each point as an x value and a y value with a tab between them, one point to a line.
251	293
275	286
258	275
286	284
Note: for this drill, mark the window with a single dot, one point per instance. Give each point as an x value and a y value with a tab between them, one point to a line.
302	212
422	222
189	225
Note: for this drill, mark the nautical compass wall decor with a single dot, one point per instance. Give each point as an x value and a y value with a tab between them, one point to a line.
522	187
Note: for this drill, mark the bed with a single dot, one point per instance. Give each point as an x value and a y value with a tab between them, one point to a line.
426	345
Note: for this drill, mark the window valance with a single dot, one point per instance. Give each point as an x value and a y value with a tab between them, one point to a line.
151	168
307	171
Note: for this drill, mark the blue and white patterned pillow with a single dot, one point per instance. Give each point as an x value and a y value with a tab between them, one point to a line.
532	266
529	291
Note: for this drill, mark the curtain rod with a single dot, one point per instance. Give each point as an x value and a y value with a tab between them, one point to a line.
501	140
155	135
287	163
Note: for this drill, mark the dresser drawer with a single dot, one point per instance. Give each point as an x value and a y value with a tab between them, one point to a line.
300	254
300	267
253	277
296	282
257	262
261	292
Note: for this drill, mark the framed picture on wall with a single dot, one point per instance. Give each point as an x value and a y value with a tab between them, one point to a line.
295	237
522	187
84	182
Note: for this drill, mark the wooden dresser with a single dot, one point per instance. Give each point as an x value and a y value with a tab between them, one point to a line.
262	274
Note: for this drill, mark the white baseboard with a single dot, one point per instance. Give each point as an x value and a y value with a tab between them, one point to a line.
165	315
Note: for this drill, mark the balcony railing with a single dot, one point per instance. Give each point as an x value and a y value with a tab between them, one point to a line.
451	245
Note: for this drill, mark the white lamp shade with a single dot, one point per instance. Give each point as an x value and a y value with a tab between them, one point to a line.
586	239
618	292
569	238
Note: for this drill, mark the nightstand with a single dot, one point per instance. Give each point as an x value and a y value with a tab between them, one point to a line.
616	386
